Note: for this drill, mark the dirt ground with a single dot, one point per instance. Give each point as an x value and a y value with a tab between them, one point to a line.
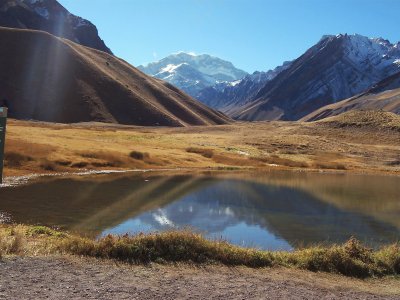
75	278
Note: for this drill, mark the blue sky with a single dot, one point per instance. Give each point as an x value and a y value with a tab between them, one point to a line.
252	34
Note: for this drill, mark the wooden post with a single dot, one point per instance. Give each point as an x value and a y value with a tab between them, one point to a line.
3	123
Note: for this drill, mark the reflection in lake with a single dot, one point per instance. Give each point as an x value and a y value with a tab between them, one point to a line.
273	210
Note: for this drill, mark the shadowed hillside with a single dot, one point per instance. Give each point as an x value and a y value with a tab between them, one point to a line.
383	96
52	17
56	80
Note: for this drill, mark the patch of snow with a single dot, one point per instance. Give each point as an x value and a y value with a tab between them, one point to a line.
234	83
171	68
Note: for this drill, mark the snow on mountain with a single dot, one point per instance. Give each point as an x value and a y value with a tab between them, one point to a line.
336	68
191	72
226	95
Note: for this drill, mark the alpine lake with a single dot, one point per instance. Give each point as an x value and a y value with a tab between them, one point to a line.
272	210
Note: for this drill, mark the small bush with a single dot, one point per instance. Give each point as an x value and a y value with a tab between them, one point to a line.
330	165
12	242
47	165
43	230
208	153
15	159
103	159
139	155
80	165
63	163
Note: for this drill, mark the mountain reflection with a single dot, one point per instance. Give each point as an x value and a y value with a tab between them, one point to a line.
269	211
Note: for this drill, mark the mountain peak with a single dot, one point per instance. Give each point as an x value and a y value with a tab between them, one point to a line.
52	17
337	67
193	72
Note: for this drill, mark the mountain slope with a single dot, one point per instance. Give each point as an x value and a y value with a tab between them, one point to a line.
52	17
53	79
336	68
228	95
192	73
383	96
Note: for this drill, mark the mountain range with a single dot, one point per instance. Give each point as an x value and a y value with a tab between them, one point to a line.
192	73
59	69
336	68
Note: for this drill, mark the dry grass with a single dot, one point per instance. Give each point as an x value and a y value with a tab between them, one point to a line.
14	159
350	259
207	153
243	145
276	160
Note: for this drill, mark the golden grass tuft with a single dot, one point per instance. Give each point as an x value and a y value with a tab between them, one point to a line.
350	259
208	153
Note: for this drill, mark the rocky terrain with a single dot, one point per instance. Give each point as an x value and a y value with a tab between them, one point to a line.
226	96
383	96
52	17
192	73
336	68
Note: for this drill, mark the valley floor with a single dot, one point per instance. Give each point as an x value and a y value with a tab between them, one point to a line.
74	278
36	147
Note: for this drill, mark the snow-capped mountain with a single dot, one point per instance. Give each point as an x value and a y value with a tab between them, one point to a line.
336	68
52	17
226	95
192	73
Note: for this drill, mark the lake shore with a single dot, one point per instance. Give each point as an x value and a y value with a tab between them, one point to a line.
40	261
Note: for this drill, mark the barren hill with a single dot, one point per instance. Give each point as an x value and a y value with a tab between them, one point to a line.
376	120
383	96
53	79
52	17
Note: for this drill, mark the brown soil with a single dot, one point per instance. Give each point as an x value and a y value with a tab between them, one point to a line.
53	79
73	278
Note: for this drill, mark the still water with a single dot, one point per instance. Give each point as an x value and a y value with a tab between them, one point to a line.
268	210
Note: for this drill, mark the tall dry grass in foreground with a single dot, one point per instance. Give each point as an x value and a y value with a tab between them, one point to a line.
350	259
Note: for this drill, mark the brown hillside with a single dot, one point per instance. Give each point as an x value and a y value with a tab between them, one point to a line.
383	96
377	120
52	79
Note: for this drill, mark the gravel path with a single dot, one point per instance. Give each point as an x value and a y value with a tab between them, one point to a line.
73	278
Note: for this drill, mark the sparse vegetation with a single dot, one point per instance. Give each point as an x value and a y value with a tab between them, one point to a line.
330	165
276	160
208	153
15	159
350	259
139	155
282	145
48	165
